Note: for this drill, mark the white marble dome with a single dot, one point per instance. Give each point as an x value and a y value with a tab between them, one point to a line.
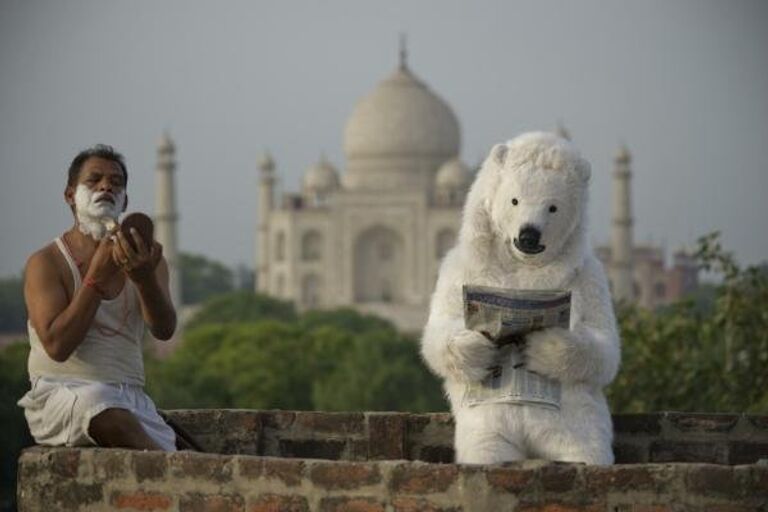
402	117
453	174
321	177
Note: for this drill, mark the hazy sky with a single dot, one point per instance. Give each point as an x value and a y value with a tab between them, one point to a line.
683	83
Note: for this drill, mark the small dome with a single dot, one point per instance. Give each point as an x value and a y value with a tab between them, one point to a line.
453	174
321	177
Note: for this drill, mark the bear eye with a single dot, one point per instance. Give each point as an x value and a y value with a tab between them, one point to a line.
514	201
552	209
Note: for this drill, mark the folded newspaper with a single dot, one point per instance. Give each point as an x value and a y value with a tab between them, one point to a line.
505	316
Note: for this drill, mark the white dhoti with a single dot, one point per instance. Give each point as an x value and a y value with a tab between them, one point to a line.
59	411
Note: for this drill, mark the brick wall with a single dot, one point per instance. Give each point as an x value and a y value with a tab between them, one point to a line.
274	461
659	437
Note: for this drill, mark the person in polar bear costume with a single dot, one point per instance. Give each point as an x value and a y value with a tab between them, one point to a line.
524	226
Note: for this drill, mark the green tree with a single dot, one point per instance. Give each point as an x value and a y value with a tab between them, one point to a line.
333	360
202	278
14	382
242	307
699	356
13	312
378	371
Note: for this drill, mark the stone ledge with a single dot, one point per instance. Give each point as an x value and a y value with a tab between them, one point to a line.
639	438
111	479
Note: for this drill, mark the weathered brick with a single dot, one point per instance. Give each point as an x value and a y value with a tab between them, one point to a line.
711	480
346	504
140	500
280	420
405	504
357	449
688	422
386	436
289	471
758	422
557	507
681	451
149	465
109	464
204	466
438	454
606	479
312	449
339	423
634	507
629	453
277	503
344	475
69	495
729	507
745	452
243	421
510	479
418	423
64	462
637	423
423	478
754	480
557	478
196	502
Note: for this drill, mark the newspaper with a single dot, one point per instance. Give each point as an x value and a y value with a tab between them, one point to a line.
505	316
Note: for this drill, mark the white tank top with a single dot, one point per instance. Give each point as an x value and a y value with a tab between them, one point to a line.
111	350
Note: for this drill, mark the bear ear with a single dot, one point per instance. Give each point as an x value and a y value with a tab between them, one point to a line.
583	169
499	154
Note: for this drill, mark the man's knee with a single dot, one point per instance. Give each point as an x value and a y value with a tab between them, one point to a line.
115	427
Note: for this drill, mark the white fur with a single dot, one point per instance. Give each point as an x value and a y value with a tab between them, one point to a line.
539	170
95	217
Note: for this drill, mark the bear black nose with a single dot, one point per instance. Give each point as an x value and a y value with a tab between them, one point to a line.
529	238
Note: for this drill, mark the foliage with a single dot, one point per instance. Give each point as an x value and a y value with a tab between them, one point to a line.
242	307
13	312
202	278
331	360
694	357
14	382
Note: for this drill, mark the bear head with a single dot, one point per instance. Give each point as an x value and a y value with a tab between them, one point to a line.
528	200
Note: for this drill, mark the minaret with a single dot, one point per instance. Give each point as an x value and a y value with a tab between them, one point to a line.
266	199
166	217
621	234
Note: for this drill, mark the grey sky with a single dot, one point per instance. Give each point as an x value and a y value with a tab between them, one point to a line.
683	83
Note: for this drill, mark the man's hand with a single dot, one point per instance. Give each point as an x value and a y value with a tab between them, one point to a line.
138	264
102	266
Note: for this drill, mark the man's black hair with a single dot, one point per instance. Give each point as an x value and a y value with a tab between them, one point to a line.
99	150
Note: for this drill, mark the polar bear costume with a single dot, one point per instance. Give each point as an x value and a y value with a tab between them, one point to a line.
524	227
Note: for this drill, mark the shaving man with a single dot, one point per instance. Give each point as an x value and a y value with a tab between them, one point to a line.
90	294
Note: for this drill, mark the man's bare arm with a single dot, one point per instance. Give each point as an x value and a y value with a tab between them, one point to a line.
60	325
148	270
156	307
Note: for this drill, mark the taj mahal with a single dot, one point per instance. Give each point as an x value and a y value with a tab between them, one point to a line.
372	237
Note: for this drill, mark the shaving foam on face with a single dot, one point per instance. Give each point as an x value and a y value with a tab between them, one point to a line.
95	218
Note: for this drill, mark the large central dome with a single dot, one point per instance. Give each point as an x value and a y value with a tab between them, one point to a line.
401	128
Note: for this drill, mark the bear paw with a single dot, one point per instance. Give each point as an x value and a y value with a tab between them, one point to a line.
471	354
547	351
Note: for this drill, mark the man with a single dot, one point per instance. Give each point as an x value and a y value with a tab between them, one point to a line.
90	294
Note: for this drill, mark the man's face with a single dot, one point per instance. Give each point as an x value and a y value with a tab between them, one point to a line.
100	189
98	197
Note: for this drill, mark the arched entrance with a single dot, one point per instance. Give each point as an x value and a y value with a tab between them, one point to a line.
378	265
